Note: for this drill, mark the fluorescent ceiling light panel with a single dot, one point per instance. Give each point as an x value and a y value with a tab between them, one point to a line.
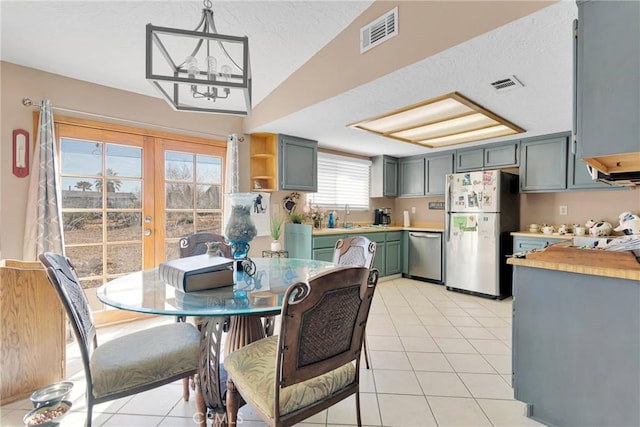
446	120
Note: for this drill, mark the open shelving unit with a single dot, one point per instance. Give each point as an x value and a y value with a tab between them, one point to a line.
264	161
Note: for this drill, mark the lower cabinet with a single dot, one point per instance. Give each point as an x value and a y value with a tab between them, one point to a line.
393	258
323	247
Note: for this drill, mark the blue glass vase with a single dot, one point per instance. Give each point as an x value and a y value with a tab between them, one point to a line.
240	229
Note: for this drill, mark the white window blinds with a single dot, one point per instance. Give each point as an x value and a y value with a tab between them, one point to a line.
341	180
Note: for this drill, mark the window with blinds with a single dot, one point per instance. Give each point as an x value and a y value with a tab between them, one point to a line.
341	180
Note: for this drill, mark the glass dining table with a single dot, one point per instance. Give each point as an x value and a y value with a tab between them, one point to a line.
238	310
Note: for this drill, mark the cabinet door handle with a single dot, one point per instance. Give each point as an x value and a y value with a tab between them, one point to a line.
575	88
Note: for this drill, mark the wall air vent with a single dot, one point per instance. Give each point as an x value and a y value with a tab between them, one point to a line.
504	85
379	31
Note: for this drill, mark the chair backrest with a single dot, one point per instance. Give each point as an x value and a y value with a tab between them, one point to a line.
355	250
62	276
196	244
323	323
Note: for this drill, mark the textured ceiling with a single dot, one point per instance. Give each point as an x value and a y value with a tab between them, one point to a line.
103	41
82	39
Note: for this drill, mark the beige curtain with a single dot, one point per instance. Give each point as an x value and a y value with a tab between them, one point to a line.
43	222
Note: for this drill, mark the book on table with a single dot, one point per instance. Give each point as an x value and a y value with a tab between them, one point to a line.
197	273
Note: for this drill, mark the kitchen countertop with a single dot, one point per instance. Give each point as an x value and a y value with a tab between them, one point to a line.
544	236
367	228
618	273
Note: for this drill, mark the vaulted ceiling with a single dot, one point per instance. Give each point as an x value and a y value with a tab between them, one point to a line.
308	78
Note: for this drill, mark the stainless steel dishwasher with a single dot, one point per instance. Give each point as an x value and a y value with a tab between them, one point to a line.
425	256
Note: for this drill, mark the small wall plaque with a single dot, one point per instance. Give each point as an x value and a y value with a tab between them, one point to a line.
436	206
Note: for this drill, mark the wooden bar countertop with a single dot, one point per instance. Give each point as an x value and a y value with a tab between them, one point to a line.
595	262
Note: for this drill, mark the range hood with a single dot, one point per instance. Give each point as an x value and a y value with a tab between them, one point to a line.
619	169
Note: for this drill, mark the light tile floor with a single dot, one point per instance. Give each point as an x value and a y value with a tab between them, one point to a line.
438	358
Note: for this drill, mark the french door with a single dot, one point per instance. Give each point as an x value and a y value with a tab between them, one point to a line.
129	195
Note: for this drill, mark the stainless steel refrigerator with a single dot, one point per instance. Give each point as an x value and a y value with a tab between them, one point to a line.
482	208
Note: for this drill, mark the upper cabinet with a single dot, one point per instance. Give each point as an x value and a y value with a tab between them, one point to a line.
283	162
607	80
411	177
544	163
297	164
424	176
494	156
436	170
384	176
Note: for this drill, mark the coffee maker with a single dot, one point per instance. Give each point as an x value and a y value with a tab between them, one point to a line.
386	216
377	216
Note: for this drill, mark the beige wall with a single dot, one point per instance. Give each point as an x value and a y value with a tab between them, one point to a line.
91	101
426	28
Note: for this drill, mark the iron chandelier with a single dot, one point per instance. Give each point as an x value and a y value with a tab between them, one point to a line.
213	74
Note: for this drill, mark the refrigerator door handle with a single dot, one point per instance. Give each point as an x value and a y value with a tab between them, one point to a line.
447	203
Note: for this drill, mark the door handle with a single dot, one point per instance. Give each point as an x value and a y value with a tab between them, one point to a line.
425	236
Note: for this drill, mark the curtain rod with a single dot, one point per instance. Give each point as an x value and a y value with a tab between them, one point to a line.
27	102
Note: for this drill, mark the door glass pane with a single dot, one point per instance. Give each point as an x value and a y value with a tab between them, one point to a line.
179	196
124	161
102	197
82	227
193	201
209	169
127	194
209	197
178	166
81	157
80	193
124	259
124	227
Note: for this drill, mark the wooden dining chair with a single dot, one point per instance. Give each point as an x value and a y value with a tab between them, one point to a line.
128	364
314	361
360	251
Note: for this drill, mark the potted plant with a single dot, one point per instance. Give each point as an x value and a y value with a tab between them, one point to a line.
275	223
297	218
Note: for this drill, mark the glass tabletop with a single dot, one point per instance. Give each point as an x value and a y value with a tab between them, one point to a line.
145	292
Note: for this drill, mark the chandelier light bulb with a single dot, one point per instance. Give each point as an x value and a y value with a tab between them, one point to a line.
212	68
225	71
192	67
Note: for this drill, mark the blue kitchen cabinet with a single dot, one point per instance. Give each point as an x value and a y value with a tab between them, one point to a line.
393	258
436	170
297	240
543	163
384	176
323	246
608	78
492	156
469	160
411	177
297	164
580	179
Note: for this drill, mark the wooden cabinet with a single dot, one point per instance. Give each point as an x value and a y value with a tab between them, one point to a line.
297	164
436	170
411	177
384	176
544	163
608	78
33	330
263	154
524	244
283	162
493	156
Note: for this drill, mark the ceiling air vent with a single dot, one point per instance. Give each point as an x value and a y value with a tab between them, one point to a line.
380	30
504	85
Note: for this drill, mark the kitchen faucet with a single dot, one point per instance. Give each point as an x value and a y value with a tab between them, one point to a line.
346	215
